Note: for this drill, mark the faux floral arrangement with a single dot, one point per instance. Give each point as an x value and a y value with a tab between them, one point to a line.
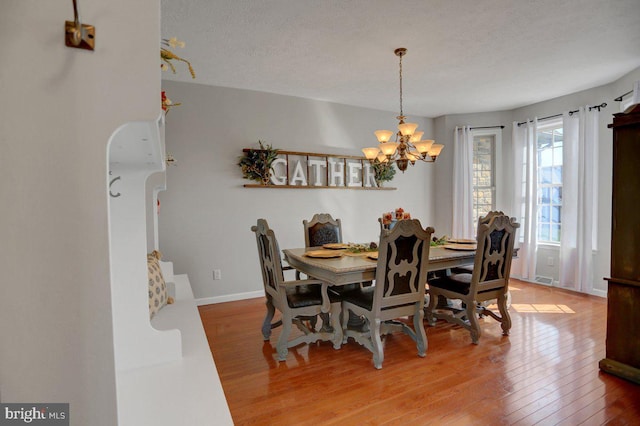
389	218
167	57
256	163
167	104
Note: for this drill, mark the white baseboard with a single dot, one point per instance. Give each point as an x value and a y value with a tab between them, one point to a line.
229	298
601	293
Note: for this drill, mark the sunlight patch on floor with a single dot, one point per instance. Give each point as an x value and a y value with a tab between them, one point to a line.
542	308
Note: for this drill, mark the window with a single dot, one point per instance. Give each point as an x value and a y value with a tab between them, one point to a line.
484	189
549	147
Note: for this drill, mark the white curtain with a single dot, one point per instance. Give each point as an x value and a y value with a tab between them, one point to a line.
463	183
525	164
579	199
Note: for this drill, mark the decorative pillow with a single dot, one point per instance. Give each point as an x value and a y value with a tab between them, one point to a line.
157	287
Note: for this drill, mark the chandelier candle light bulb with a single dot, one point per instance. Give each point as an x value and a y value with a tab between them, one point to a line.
408	146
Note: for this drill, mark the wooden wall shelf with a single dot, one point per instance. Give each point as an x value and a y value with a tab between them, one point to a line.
366	188
295	170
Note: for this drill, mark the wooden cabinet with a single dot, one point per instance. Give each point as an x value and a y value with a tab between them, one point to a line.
623	297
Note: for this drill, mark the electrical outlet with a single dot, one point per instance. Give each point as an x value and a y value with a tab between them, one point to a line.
217	274
549	261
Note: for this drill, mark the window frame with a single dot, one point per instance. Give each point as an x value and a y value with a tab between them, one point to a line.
550	125
496	167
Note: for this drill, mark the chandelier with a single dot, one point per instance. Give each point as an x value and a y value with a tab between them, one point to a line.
407	146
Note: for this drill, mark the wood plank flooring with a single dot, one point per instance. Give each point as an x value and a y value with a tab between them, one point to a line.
545	373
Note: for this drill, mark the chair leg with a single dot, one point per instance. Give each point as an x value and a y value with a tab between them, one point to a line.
281	346
433	300
326	322
474	325
266	325
376	342
505	322
421	336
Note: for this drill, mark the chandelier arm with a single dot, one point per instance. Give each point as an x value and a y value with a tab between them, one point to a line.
427	159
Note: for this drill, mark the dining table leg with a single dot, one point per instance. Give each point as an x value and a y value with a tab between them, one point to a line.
336	309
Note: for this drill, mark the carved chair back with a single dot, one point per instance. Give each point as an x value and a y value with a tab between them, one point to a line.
495	238
322	229
270	262
401	274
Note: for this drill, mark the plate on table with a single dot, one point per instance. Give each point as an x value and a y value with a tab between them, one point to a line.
324	254
466	247
461	241
373	255
335	246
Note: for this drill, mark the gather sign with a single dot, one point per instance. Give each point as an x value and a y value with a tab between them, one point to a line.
293	169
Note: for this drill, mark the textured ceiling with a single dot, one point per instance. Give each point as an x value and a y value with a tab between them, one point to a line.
463	56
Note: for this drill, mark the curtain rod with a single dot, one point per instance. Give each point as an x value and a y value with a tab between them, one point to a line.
598	107
619	98
486	127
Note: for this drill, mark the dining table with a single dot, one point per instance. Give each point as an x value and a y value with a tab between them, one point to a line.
348	268
341	267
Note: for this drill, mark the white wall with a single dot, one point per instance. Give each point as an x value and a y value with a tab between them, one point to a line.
59	108
206	213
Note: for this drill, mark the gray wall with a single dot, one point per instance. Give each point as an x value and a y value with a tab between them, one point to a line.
595	96
206	213
445	127
59	108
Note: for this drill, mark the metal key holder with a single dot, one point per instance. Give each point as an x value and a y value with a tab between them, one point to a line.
81	36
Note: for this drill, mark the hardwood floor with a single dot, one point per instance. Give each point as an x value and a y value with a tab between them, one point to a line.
546	372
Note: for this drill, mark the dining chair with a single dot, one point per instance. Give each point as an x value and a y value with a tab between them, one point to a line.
468	269
298	301
401	273
489	279
322	229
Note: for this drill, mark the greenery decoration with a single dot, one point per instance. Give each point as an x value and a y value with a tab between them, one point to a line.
384	171
256	163
435	241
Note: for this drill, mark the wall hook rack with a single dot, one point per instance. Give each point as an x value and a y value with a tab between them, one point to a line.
111	183
78	35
